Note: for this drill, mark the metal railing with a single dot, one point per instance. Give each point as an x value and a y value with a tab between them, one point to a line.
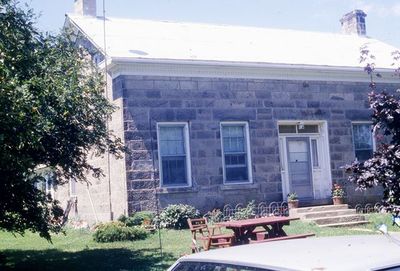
368	208
261	209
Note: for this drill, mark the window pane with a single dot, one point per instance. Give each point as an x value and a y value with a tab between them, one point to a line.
236	174
233	139
205	266
173	155
289	129
314	150
281	156
233	144
72	184
235	156
363	155
363	146
362	136
171	141
174	170
235	159
313	129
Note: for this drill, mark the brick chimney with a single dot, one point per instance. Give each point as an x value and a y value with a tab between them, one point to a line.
85	7
354	23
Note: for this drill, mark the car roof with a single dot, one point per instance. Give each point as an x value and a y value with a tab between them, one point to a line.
362	252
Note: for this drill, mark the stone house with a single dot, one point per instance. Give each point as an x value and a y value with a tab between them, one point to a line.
226	114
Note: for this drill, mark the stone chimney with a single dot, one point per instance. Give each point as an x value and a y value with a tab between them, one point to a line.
85	7
354	23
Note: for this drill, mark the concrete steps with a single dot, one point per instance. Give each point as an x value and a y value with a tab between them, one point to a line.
345	224
324	214
329	215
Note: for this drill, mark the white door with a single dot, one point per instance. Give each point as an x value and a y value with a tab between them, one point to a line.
304	159
299	166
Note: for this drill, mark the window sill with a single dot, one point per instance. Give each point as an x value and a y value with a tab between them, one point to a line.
173	190
239	186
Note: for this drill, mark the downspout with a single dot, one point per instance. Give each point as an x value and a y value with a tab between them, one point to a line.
107	121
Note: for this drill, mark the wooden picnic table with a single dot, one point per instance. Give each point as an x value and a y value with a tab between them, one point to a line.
244	230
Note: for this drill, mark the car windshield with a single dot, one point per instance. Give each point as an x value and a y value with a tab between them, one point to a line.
205	266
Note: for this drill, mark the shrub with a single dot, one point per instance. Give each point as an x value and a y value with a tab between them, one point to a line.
122	218
140	218
246	212
118	231
215	216
176	215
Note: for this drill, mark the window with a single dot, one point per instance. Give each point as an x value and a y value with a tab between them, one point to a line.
209	266
49	185
281	153
314	150
46	184
299	129
363	141
235	158
174	154
72	188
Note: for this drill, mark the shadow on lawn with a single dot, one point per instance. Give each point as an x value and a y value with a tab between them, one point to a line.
87	260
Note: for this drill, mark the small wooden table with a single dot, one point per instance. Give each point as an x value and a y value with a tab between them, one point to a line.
244	229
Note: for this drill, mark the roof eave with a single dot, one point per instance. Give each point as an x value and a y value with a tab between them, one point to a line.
230	69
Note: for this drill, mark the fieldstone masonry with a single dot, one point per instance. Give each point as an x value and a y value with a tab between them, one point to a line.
203	103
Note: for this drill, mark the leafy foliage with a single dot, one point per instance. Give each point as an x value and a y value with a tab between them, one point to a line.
215	216
118	231
337	191
246	212
137	219
176	215
383	169
53	112
292	196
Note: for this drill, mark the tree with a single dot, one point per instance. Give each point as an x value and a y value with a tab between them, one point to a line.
53	112
383	169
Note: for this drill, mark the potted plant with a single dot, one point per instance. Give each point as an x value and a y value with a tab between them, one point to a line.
337	194
293	200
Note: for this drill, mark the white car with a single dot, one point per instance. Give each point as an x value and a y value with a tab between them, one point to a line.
363	252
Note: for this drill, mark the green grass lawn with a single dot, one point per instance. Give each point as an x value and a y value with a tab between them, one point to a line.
77	251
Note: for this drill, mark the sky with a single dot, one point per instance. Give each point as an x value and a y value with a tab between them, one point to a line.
383	16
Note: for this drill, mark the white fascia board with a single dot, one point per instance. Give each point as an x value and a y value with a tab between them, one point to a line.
80	30
245	70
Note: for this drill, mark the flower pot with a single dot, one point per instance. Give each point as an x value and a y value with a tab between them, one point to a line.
293	204
337	200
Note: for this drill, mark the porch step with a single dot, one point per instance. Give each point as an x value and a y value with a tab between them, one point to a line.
345	224
338	219
321	208
330	213
314	202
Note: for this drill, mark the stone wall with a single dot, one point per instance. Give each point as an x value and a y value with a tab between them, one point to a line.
204	103
107	193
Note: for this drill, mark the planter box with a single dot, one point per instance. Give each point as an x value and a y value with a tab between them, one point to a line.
337	200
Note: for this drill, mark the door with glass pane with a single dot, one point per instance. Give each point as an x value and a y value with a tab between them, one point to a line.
299	166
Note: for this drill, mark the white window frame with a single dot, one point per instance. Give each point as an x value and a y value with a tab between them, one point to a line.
187	153
372	134
49	184
71	181
245	124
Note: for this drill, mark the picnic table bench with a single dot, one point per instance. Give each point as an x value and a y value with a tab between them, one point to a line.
211	236
246	231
